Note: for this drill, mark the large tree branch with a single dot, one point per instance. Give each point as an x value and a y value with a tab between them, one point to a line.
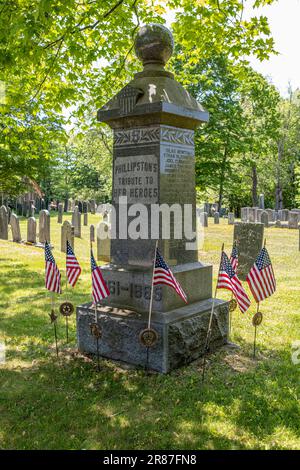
89	26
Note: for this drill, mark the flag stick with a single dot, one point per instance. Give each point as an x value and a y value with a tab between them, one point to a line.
54	323
98	357
67	324
255	332
152	287
150	305
230	315
208	335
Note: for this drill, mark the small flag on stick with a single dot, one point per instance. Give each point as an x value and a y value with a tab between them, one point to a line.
73	268
234	258
53	277
261	277
163	275
228	279
99	288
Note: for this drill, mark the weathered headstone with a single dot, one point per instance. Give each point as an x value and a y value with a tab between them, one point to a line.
244	214
252	214
264	218
207	207
293	220
3	223
216	218
85	218
92	233
249	238
31	230
261	201
271	215
44	226
103	244
204	219
258	214
67	234
60	213
76	222
230	218
93	206
153	120
15	228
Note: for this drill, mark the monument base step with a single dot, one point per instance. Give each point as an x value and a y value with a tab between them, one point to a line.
181	333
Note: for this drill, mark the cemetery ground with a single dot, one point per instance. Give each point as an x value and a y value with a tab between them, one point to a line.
244	403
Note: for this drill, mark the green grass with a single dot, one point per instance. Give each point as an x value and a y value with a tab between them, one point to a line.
47	403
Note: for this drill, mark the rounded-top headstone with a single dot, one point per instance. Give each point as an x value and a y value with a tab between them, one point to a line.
154	44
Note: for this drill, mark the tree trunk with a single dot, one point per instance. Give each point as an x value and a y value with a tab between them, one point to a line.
254	186
222	177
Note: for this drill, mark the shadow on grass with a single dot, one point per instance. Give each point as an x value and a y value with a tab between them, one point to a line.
65	403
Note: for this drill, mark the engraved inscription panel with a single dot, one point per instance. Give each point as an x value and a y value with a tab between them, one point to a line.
137	178
177	167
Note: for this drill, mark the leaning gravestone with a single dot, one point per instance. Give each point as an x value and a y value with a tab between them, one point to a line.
44	226
153	120
31	230
3	223
60	213
249	239
15	228
67	233
76	222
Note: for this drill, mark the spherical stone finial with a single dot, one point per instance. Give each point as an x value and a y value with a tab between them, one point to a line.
154	44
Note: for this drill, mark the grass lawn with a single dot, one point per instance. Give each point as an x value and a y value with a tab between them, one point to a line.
47	403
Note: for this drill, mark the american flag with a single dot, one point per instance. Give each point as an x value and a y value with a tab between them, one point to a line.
53	277
99	288
163	275
261	277
234	258
72	265
228	280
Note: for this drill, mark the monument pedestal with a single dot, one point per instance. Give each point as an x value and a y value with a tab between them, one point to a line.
181	333
153	120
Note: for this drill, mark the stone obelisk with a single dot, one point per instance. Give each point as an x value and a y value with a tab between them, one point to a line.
153	120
